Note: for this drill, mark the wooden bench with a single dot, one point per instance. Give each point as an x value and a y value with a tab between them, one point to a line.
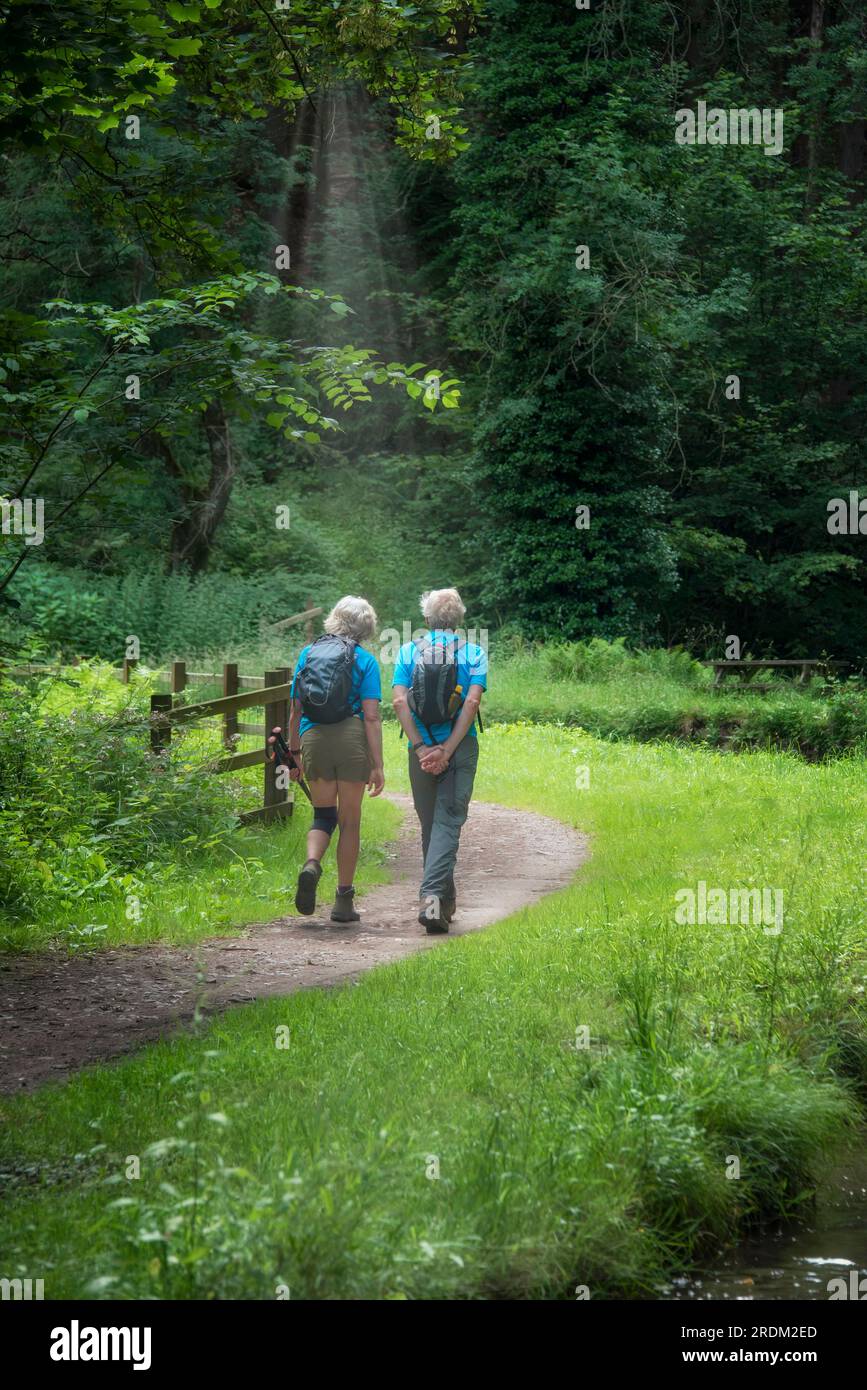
805	668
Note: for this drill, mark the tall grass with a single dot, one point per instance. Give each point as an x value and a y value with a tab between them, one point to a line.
81	614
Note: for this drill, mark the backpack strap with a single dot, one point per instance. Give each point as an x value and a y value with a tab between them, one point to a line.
415	654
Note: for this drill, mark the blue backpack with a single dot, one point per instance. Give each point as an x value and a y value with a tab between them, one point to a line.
324	683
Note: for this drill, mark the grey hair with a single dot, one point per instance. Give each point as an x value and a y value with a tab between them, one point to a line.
443	608
352	617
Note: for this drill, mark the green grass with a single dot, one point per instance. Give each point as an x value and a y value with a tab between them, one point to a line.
306	1165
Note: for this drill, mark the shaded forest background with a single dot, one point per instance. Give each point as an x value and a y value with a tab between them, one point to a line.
600	387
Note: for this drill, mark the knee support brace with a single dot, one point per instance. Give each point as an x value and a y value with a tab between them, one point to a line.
325	818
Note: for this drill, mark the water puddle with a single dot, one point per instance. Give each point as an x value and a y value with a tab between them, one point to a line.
797	1260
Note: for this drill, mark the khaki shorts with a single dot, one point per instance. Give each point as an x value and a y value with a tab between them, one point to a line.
336	752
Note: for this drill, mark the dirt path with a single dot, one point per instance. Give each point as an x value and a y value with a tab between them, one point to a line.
58	1013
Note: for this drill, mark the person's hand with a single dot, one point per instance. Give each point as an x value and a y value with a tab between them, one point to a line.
295	773
376	781
435	761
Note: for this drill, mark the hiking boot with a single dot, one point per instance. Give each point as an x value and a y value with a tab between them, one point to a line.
343	910
305	894
432	917
448	908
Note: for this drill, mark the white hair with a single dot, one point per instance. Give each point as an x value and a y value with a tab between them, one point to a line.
352	617
443	608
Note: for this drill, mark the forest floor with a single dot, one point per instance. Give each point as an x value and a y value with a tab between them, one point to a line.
59	1013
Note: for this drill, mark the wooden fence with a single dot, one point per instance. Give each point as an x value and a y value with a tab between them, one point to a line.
167	711
745	670
239	693
270	690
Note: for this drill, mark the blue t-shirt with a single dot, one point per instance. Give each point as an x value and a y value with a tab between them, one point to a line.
472	670
366	684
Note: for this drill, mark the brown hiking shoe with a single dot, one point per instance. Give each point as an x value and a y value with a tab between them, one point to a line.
432	917
305	894
343	909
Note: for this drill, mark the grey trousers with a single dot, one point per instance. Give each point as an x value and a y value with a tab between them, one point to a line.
441	804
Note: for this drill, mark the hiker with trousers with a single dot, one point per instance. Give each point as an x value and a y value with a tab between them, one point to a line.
437	690
336	728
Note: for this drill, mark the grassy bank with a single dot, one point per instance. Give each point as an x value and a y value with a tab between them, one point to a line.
658	694
438	1129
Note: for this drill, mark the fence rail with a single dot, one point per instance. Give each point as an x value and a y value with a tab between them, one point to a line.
806	668
167	712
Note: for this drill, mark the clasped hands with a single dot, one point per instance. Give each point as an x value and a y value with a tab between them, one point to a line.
434	759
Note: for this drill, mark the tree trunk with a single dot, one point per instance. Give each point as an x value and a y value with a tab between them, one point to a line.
817	31
193	534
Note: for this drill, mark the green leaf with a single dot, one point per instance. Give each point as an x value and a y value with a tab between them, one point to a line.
184	13
182	48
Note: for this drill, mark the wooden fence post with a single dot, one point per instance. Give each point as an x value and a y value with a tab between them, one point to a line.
276	713
160	733
179	677
128	664
230	687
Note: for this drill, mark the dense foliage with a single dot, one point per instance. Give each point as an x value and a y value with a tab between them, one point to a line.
606	386
597	378
87	814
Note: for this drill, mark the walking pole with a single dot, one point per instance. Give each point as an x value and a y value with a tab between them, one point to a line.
280	751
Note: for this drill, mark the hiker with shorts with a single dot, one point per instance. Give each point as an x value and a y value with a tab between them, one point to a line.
438	685
335	726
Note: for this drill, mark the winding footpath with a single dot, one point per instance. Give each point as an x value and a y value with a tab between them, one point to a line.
60	1012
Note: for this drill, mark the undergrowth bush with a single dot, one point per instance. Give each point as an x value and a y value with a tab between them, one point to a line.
78	614
86	809
599	660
